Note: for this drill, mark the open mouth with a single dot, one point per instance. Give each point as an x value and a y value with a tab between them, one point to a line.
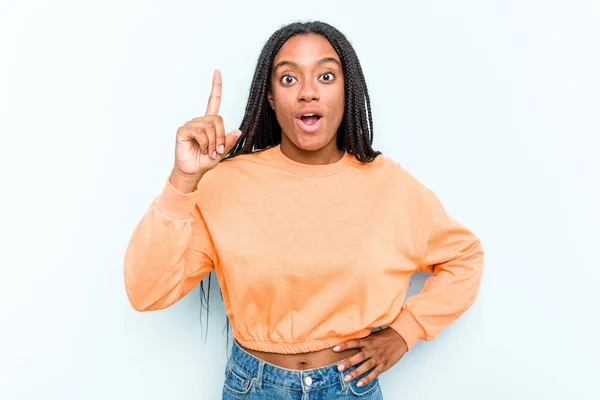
310	119
309	122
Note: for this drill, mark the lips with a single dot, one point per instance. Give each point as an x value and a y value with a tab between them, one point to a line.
307	111
309	119
309	128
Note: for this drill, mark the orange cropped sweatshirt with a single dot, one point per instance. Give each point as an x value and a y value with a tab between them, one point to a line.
307	256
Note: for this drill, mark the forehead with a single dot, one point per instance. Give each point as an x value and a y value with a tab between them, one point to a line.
305	49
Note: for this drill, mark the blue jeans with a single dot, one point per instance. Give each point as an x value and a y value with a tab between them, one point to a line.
249	377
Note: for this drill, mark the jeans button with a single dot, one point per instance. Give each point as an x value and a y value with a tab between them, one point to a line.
308	381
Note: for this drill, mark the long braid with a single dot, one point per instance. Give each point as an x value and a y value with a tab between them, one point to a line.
259	126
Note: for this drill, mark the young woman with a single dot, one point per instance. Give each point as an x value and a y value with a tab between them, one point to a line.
313	235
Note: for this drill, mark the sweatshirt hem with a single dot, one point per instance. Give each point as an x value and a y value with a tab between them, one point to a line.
303	347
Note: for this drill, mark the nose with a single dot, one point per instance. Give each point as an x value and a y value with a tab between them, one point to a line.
308	91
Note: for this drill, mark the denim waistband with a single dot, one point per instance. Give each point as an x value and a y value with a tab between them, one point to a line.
308	379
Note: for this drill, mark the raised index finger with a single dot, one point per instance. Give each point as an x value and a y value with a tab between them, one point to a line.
214	101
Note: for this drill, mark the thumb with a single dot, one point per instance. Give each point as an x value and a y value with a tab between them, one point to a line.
231	139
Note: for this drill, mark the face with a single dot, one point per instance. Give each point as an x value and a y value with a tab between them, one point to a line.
307	93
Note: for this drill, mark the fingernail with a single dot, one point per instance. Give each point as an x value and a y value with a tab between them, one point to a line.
214	154
336	348
341	367
359	384
348	378
221	149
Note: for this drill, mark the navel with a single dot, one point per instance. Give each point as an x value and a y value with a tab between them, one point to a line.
302	365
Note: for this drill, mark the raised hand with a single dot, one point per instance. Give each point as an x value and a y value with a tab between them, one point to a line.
202	142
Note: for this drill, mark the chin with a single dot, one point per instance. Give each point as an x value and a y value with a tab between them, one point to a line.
311	142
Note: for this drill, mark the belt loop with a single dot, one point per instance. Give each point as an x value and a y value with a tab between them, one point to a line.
261	365
343	383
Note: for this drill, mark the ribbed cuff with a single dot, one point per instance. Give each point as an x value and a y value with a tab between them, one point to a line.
408	327
175	204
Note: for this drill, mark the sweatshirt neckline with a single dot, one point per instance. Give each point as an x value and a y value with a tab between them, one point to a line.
311	169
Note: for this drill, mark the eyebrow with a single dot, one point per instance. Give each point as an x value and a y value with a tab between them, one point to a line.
321	62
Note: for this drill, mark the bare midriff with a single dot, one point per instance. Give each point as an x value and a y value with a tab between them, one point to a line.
303	361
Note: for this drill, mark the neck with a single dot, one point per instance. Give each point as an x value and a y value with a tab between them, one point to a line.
327	154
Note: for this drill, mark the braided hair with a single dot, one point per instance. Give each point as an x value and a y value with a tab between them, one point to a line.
260	129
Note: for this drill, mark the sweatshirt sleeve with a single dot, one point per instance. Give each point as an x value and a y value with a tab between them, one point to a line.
169	253
455	256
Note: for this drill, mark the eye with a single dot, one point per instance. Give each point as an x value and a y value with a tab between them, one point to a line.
287	80
327	77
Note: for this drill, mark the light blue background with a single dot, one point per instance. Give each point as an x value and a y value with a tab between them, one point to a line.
492	104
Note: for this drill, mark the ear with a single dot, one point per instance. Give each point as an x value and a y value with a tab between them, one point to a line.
270	99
